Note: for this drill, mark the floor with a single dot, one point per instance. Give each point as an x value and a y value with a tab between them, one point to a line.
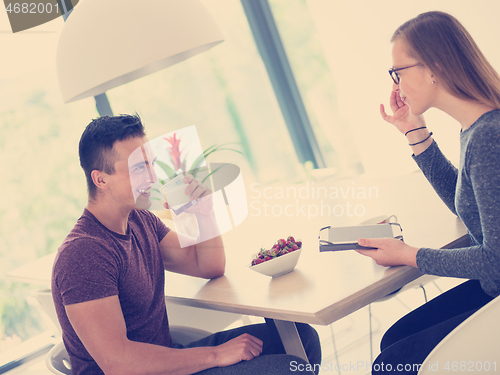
349	351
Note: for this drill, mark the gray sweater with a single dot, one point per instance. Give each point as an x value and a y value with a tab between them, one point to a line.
473	193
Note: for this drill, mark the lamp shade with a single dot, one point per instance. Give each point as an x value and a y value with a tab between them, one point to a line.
105	44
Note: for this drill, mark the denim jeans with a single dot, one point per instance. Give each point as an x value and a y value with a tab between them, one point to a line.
273	360
410	340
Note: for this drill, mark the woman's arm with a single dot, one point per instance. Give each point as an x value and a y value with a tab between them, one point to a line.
437	169
440	172
479	207
481	215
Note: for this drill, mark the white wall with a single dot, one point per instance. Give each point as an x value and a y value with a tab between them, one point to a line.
356	39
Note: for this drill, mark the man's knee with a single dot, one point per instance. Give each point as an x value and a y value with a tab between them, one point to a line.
311	342
307	332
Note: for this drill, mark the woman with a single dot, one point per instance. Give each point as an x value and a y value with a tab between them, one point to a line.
437	64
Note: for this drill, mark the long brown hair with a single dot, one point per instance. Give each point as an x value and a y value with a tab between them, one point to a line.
442	44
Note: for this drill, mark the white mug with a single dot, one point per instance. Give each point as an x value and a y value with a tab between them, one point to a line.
176	195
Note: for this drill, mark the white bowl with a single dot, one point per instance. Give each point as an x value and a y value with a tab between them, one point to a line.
278	266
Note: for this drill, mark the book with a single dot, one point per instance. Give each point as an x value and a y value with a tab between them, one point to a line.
346	238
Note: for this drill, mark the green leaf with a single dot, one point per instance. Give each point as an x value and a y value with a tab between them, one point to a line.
224	148
167	169
208	149
214	148
211	174
196	164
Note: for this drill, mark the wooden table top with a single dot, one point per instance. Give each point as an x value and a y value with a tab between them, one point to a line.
324	287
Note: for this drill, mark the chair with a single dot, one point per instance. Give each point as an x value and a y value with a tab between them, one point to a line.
415	284
44	299
57	360
184	335
470	347
204	319
178	315
185	327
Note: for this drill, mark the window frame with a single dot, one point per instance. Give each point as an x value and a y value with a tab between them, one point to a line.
265	32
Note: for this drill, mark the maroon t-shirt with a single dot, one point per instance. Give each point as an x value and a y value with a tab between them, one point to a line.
94	262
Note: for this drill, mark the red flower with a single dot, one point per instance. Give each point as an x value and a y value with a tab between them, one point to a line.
175	152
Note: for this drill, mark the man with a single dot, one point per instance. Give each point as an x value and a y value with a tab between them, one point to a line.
108	276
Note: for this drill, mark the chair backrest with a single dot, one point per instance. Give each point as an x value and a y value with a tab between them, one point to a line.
44	298
472	346
188	316
185	335
57	360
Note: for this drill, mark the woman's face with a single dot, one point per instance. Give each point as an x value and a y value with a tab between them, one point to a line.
415	84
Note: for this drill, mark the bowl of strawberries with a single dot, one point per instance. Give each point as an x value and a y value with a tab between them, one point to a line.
279	260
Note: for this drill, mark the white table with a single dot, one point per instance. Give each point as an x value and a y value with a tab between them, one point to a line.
324	287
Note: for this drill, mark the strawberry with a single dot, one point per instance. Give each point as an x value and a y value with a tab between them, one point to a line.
281	247
257	261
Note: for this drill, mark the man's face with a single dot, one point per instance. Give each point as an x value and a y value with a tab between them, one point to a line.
134	172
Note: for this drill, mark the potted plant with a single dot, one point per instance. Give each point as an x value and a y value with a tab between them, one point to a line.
178	160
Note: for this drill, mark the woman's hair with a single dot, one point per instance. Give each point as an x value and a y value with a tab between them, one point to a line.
442	44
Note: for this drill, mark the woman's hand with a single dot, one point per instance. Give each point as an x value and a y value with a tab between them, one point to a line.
402	118
389	252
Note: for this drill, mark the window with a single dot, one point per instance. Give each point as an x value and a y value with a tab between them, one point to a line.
355	38
44	191
225	93
339	53
317	88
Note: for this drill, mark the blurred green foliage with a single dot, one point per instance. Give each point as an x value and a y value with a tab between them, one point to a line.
43	191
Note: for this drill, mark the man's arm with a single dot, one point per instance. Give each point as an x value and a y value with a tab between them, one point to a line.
202	256
101	327
205	259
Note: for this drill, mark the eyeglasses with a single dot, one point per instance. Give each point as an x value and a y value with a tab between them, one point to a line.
394	72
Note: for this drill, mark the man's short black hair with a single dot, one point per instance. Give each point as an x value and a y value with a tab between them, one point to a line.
96	144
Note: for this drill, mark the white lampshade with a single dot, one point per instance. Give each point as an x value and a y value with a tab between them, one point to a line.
105	44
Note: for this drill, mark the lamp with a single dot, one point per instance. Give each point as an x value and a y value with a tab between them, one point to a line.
105	44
